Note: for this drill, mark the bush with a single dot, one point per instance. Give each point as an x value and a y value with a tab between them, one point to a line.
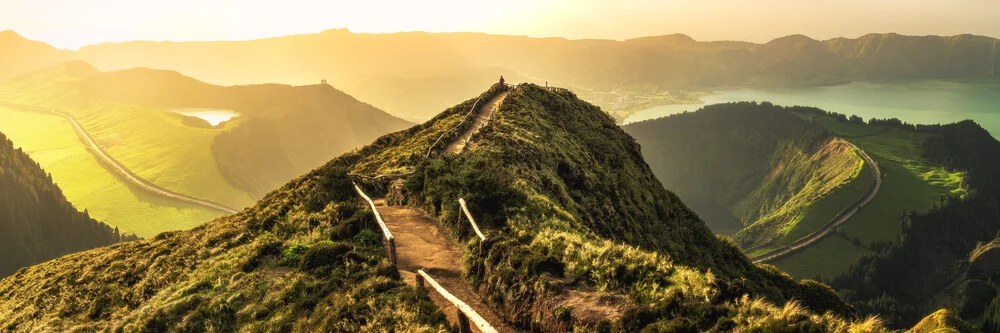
325	253
293	254
367	238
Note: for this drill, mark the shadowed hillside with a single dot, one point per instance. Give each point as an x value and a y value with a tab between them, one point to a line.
36	221
572	215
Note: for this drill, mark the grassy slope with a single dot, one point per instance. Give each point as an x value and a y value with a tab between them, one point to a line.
302	260
154	144
50	140
560	222
910	183
811	179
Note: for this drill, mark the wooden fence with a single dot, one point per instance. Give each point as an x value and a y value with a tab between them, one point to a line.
466	314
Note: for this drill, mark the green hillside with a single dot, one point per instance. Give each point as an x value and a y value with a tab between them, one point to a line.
911	182
283	131
37	223
930	263
755	171
568	203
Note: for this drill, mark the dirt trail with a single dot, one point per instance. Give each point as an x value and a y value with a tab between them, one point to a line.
482	116
421	244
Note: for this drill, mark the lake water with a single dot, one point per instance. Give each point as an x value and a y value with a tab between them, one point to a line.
212	116
918	102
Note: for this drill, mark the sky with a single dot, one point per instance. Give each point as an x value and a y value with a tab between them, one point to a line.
75	23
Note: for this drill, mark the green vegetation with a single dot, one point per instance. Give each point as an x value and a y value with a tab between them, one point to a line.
37	223
570	209
938	258
153	144
50	140
778	175
942	321
284	132
288	264
911	182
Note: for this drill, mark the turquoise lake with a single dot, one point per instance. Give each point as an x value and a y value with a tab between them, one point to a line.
917	102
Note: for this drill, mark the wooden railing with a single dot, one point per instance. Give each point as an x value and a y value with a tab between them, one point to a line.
465	312
461	202
389	240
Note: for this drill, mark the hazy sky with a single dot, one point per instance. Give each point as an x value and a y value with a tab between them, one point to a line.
74	23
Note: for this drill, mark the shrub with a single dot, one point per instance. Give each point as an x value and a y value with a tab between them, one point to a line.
325	253
367	238
293	254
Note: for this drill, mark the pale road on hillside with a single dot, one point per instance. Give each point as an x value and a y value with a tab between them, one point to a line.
122	172
837	221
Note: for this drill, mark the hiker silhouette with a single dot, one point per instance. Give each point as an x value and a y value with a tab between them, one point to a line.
501	80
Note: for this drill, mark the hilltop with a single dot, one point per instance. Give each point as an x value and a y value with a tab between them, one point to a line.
37	223
568	204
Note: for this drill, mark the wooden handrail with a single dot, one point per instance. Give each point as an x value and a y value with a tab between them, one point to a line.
474	317
461	202
390	241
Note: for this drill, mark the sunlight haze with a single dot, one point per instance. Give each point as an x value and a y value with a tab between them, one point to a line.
72	24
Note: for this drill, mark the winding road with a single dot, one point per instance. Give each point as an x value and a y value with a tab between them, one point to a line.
837	221
121	171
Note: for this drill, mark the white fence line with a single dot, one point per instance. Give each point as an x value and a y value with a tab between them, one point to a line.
475	227
473	316
391	241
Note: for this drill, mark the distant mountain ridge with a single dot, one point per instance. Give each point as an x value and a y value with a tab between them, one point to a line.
37	223
414	74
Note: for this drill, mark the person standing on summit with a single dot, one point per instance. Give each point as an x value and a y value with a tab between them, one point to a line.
501	80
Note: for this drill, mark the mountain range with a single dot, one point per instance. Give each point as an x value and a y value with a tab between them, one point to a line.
415	74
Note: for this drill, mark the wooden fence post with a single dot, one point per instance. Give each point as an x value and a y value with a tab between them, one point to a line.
392	251
463	322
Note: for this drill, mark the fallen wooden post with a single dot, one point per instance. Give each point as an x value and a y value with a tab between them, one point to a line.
470	314
390	241
475	227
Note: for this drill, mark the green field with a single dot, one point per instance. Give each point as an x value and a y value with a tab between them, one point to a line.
50	141
153	144
909	183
